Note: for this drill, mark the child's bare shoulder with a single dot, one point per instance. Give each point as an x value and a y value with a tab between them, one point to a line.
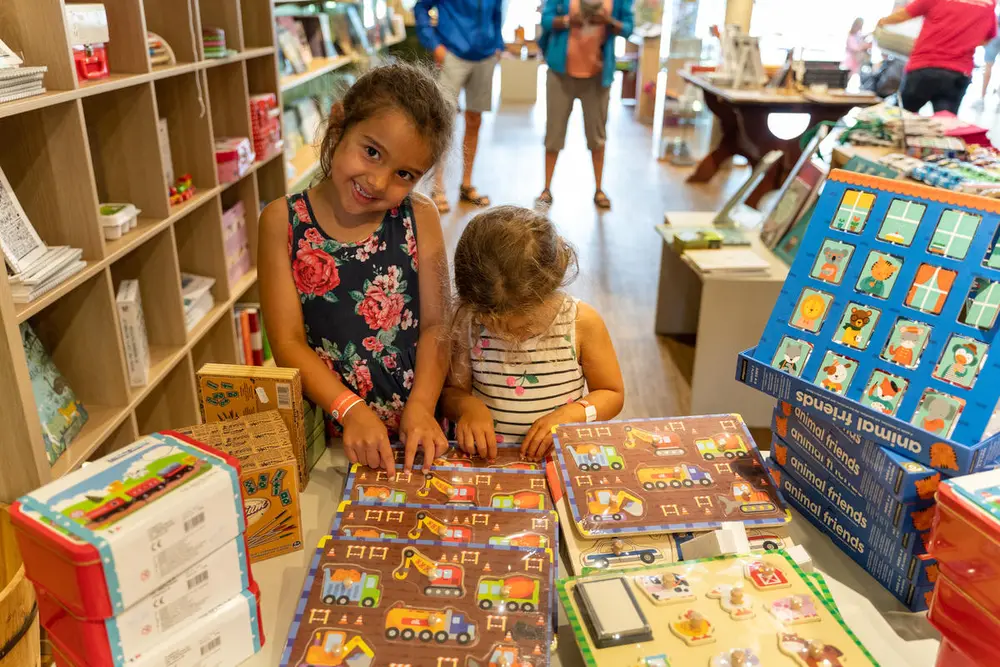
588	320
274	215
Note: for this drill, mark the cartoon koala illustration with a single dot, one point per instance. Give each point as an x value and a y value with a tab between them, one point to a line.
830	270
855	324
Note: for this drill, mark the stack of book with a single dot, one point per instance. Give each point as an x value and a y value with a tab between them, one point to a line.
252	343
265	121
17	82
33	267
196	292
235	241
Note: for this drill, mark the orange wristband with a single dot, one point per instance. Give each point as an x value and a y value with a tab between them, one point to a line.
343	404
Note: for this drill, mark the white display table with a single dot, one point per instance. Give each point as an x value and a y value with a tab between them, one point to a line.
870	611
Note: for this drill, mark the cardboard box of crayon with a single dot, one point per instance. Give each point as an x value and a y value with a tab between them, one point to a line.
870	547
867	469
810	506
891	517
228	391
269	479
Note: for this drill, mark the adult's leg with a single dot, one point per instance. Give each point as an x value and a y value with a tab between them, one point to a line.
454	73
559	99
594	98
917	89
478	98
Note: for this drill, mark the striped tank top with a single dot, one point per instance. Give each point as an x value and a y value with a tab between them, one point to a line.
520	384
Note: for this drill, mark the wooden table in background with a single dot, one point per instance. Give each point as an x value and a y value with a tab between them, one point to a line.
742	116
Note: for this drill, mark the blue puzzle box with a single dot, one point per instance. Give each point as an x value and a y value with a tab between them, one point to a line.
866	469
892	523
885	321
916	598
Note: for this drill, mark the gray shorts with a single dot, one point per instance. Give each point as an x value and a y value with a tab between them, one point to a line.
475	76
561	91
992	50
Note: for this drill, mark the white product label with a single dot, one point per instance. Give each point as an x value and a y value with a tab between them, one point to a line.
194	592
262	395
284	395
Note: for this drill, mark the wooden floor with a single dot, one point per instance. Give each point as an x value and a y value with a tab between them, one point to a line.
619	250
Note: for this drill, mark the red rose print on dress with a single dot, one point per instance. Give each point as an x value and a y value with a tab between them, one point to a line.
314	236
373	344
389	361
315	274
302	211
383	301
325	357
291	238
411	243
362	377
408	379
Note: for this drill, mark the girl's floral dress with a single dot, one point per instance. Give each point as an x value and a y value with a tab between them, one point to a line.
360	304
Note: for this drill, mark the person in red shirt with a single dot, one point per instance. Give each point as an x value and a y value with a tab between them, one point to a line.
940	67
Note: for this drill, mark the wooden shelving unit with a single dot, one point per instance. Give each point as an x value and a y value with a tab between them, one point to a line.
80	144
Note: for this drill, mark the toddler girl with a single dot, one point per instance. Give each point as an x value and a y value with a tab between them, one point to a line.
528	357
353	272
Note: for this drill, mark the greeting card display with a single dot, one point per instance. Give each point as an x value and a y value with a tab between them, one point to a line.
885	322
665	476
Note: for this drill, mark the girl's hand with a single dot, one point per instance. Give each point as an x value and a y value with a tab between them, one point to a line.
575	20
601	17
474	430
366	440
417	429
538	441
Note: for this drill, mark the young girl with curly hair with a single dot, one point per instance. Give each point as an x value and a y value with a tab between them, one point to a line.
353	271
528	356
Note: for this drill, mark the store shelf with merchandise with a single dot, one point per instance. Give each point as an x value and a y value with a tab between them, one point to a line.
119	139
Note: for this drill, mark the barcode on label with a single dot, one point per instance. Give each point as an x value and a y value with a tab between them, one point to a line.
211	645
197	580
284	396
194	522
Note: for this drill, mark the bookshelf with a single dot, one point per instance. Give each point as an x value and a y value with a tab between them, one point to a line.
80	144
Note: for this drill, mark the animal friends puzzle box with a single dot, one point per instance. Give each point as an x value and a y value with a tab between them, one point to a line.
664	476
885	322
867	469
269	479
230	392
391	602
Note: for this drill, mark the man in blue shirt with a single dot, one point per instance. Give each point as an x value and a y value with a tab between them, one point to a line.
465	43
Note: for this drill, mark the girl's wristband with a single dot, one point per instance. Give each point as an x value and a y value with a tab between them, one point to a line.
589	410
343	404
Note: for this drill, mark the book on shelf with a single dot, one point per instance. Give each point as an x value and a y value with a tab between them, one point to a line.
250	334
196	293
61	414
26	292
16	81
133	326
245	338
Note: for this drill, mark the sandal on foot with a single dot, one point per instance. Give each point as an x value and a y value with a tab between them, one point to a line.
601	201
471	195
441	201
544	200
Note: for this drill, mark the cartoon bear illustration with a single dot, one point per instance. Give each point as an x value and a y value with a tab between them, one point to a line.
836	374
881	270
830	270
852	330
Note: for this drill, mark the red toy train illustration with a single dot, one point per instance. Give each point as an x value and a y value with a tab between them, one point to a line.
142	491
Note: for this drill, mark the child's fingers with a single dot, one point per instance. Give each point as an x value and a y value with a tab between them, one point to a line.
491	440
430	451
441	444
351	453
530	442
384	452
409	454
482	447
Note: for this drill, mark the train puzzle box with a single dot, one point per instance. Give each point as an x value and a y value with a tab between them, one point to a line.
864	467
720	612
269	479
665	476
885	321
387	602
902	526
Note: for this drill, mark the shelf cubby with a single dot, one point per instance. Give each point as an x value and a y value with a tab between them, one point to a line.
45	158
28	29
245	190
127	50
189	127
125	434
227	90
199	248
224	14
172	20
262	76
218	345
171	403
258	23
125	149
271	181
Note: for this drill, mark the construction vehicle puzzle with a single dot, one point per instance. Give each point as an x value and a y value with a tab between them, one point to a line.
431	604
508	458
449	523
665	476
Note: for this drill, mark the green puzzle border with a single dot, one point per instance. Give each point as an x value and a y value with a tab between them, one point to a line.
814	581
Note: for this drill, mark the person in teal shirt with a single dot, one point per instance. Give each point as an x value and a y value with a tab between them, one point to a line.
578	38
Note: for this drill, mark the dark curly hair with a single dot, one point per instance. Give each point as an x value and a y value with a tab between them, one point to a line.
396	85
509	260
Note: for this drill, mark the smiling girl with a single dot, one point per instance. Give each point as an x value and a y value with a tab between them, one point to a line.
353	271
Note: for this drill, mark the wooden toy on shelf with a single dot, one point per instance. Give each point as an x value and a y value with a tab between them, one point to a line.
182	190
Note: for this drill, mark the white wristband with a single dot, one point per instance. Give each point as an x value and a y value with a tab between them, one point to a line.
589	410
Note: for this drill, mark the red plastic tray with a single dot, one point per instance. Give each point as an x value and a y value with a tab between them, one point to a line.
71	569
966	543
950	656
70	652
967	626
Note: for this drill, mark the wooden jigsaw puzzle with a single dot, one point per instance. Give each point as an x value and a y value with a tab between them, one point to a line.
536	529
374	604
508	458
665	476
732	611
469	487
